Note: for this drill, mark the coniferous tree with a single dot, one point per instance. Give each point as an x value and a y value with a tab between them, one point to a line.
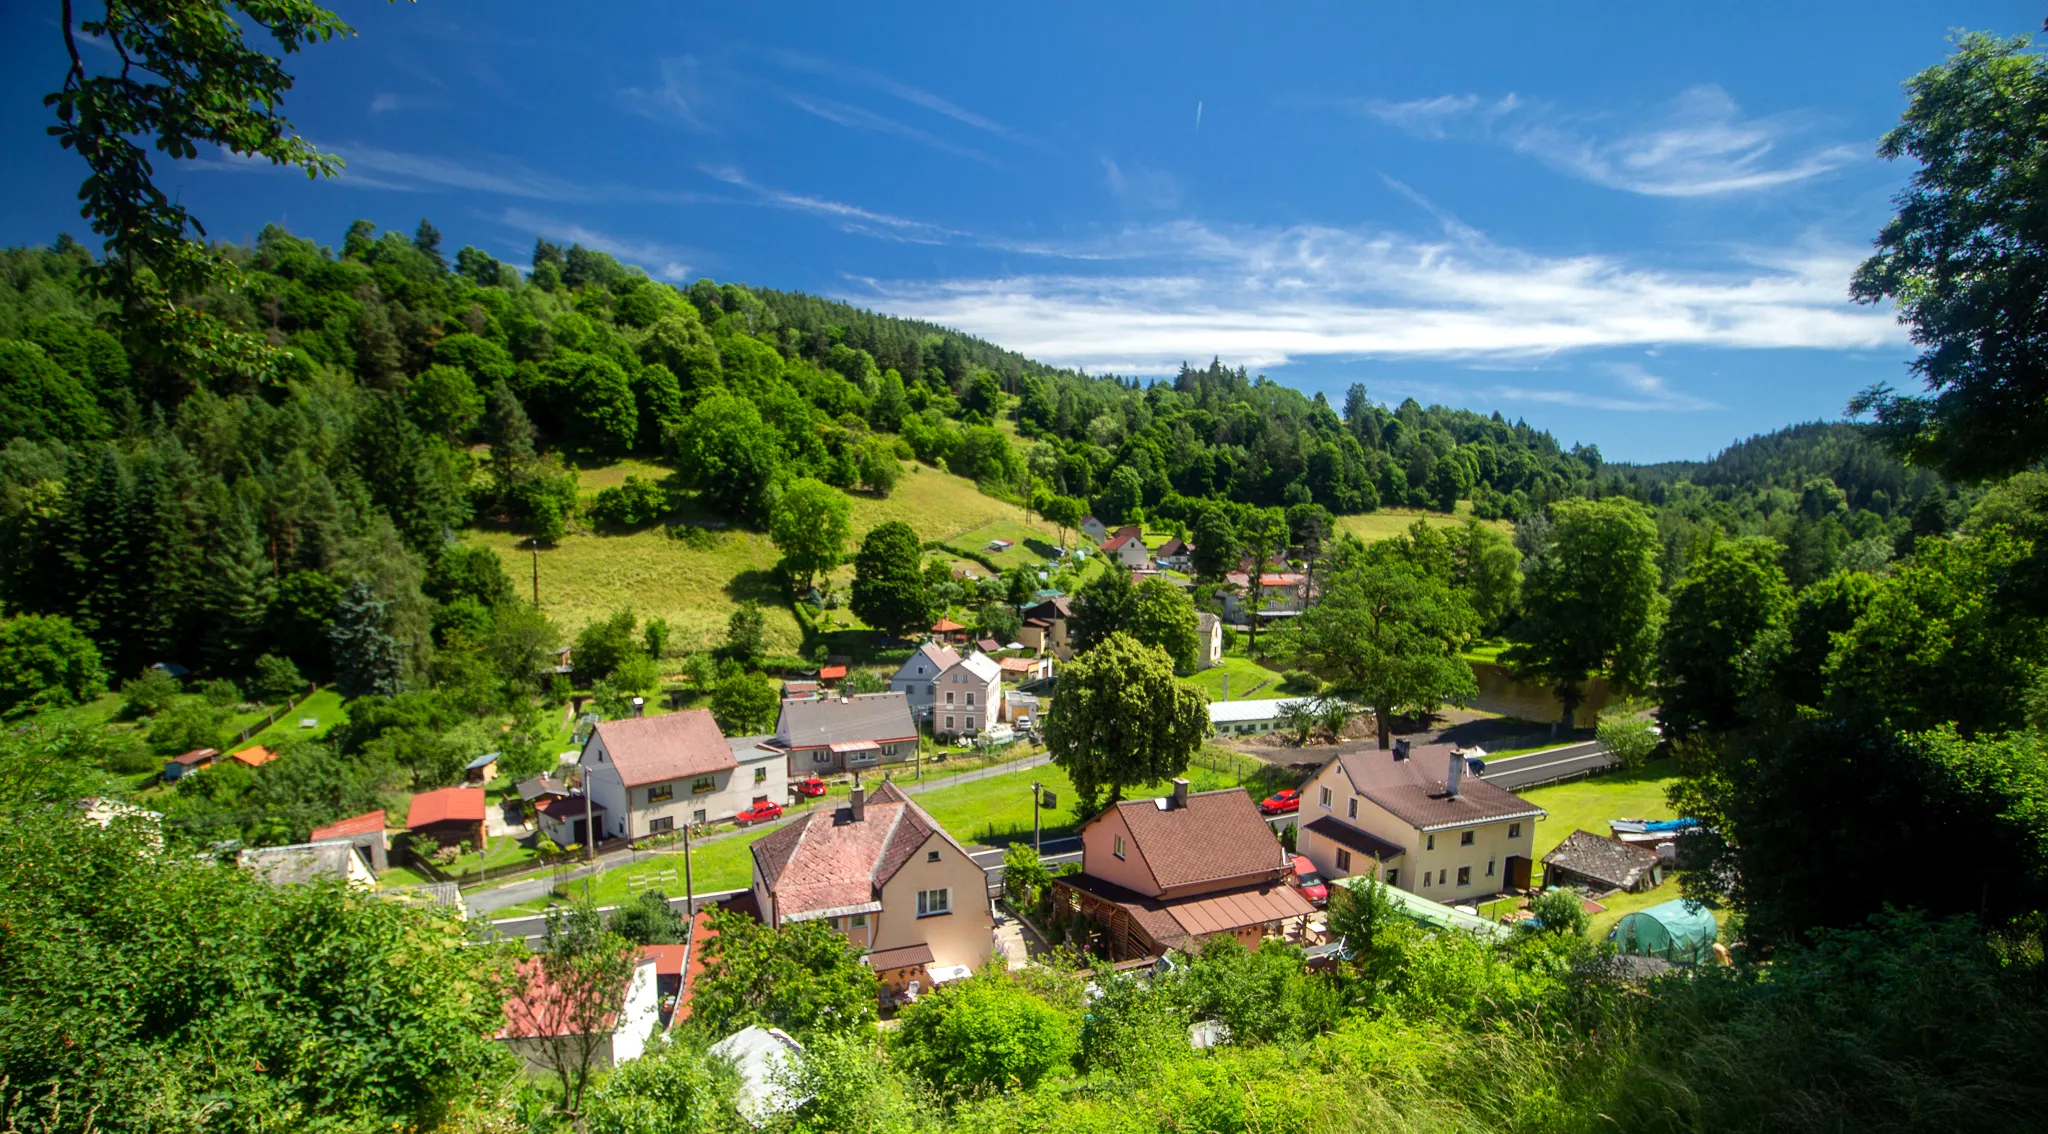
427	239
239	586
366	657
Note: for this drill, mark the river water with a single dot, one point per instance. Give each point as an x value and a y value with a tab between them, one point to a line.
1501	693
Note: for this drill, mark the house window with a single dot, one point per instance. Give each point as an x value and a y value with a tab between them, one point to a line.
1489	868
1429	843
760	775
702	784
970	700
1425	879
1393	877
1514	830
663	792
697	816
822	756
1325	797
857	921
949	696
1344	861
949	724
1464	876
1119	851
1465	838
1351	808
970	724
661	826
931	689
931	856
888	750
932	903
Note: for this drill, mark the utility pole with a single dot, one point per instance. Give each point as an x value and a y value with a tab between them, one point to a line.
536	572
689	883
1034	817
589	821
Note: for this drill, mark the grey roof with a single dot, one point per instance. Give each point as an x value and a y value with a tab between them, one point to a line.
483	761
867	716
1206	622
1602	859
747	749
300	862
543	784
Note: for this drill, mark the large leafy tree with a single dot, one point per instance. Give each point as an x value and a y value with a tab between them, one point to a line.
46	662
983	1035
809	528
889	588
1732	594
1163	615
803	978
186	78
727	452
1591	602
577	985
1386	632
1102	607
1966	261
1121	720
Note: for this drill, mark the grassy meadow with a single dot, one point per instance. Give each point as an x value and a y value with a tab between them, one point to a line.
1389	522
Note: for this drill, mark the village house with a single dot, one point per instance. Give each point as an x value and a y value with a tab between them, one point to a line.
650	775
763	774
968	696
1023	671
1127	547
254	756
365	832
845	734
947	630
883	873
1208	640
1045	627
1094	529
1413	818
1172	872
301	863
1600	864
567	819
449	816
184	764
918	677
542	1022
1176	554
481	770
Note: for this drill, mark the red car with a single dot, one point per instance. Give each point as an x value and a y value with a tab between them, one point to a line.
1304	878
760	812
1281	803
810	788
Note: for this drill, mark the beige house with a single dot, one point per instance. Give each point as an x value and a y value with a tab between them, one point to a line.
1045	627
1413	818
651	775
1170	873
1208	640
885	874
969	696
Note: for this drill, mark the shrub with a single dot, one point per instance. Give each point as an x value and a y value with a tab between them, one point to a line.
1300	681
631	505
47	661
220	692
984	1034
1559	911
189	723
1627	734
277	679
149	693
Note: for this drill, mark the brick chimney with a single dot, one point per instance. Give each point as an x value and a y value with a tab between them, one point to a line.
1180	792
858	801
1454	778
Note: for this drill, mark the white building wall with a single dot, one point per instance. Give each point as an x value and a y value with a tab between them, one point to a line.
639	1017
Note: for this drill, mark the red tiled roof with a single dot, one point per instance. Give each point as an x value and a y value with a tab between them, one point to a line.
946	626
369	822
1017	665
255	755
700	932
1218	835
832	673
652	749
827	861
1115	543
1287	580
446	805
668	959
541	1009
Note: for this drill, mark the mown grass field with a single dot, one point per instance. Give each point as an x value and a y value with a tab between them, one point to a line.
325	706
1589	803
1389	522
1247	679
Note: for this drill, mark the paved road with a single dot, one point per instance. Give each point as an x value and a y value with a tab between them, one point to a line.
1053	852
530	929
482	902
1548	766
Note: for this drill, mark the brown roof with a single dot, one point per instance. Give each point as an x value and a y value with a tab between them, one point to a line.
1345	835
1174	922
826	861
369	822
255	755
909	956
1413	789
1174	546
946	626
1598	857
196	756
832	673
649	750
542	1009
444	805
1017	665
1058	607
1217	836
569	807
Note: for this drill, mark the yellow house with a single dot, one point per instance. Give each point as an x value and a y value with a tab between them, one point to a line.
1413	818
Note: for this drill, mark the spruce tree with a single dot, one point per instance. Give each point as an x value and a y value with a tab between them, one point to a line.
238	588
367	659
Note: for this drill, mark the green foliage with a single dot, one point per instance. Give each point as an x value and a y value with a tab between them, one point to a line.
1162	615
889	589
276	679
1624	731
649	920
727	452
633	504
1024	876
444	402
675	1086
1387	630
603	646
1102	607
1957	258
46	663
803	978
149	693
746	632
1262	995
982	1035
1732	594
586	966
1121	720
1592	600
998	620
1133	1029
39	400
809	527
1560	911
745	704
189	723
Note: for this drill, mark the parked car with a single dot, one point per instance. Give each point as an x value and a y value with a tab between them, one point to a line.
1281	803
1305	879
811	787
760	812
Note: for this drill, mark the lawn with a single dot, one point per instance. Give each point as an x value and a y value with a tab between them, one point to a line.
325	706
1389	522
1021	536
506	851
1591	802
1245	677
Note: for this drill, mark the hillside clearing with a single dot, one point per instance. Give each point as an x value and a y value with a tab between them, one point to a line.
1390	522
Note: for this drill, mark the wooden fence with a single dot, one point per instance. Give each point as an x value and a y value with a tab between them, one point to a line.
270	718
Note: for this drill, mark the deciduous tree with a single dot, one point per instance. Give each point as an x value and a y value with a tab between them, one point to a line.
1592	602
803	978
1732	594
1121	720
889	588
809	527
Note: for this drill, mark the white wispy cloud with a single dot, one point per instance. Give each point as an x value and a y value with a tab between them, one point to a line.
1699	145
860	118
851	218
1262	297
666	261
916	96
1142	185
675	99
1647	392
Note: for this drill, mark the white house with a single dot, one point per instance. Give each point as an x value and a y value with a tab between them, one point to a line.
1094	529
1127	546
1209	640
1229	718
969	696
649	774
918	678
763	773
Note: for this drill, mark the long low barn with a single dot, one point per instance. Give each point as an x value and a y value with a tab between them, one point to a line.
1247	717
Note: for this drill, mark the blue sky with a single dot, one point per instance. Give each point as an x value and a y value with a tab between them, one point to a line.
1633	227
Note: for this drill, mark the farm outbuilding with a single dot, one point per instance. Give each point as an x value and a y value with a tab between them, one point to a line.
1678	931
